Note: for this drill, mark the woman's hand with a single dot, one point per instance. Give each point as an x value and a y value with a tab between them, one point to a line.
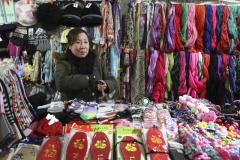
102	86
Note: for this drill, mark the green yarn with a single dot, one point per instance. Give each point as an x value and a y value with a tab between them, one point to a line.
232	27
168	85
183	31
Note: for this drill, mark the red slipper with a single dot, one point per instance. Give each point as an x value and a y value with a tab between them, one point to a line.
51	150
156	143
130	150
77	147
100	147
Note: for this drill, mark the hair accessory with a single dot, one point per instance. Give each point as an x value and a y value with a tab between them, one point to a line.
100	148
78	146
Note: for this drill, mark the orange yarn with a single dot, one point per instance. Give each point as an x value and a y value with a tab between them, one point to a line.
205	74
199	21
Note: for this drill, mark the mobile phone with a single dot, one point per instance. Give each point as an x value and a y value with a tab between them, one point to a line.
99	82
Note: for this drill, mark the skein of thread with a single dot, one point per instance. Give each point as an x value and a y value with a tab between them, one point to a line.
191	28
219	22
232	28
205	74
168	85
214	25
200	19
178	14
184	23
159	81
182	88
224	44
208	29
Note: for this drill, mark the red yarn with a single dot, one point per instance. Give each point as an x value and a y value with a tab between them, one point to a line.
182	88
178	13
199	21
214	25
159	81
205	73
224	44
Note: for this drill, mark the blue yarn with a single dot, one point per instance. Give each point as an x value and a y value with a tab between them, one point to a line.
208	29
219	22
187	57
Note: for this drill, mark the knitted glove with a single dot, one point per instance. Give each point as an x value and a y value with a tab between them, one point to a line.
42	43
19	36
31	47
13	50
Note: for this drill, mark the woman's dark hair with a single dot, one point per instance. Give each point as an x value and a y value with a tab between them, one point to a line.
73	35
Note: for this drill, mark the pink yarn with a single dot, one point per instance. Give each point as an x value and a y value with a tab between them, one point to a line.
182	88
191	28
195	86
214	24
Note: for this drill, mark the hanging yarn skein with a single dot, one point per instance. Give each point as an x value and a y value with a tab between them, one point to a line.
224	43
232	27
163	20
208	30
159	81
205	74
214	24
178	13
194	85
151	71
170	32
168	85
184	19
219	22
199	21
182	88
191	28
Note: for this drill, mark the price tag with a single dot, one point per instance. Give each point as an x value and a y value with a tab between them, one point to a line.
88	5
75	5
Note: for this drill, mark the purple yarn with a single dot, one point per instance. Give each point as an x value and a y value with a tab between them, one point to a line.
171	31
151	71
155	30
219	73
187	57
118	12
232	74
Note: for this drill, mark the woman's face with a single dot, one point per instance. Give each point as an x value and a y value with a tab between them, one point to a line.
81	47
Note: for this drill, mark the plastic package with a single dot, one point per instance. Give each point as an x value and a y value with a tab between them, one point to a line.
76	144
155	141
